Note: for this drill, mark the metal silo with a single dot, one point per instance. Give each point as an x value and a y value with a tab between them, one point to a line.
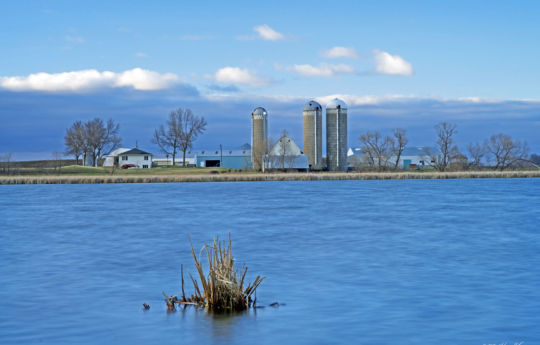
259	136
336	135
312	116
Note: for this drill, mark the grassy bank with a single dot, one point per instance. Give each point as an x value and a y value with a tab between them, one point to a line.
234	177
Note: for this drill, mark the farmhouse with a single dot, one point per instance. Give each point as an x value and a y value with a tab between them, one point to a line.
129	158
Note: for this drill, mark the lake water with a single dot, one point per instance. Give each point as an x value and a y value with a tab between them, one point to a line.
355	262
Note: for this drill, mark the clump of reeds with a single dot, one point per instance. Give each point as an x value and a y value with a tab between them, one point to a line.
224	287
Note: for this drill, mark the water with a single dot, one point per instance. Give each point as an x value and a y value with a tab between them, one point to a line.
368	262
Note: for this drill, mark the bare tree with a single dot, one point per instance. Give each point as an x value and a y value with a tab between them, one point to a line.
398	144
506	151
477	152
182	130
168	139
192	126
93	137
445	132
74	140
101	138
377	148
57	160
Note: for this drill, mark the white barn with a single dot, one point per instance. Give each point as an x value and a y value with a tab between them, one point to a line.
286	154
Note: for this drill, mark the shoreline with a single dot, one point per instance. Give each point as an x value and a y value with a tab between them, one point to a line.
89	179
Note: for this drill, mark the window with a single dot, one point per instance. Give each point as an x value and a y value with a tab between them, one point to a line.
145	166
124	158
145	158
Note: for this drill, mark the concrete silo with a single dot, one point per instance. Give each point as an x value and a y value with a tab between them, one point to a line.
336	135
259	137
312	116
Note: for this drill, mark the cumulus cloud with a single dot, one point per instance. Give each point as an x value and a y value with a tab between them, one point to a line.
236	75
386	63
340	52
88	80
358	100
267	33
323	70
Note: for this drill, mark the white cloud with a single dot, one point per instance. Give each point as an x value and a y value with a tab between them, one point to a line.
267	33
323	70
235	75
141	55
74	39
356	100
88	80
386	63
341	52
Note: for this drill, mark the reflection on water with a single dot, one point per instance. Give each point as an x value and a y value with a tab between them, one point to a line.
386	262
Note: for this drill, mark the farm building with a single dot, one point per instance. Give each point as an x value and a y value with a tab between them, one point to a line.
417	157
112	157
178	161
232	159
286	154
132	158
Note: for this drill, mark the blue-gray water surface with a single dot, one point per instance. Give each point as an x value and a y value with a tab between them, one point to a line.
355	262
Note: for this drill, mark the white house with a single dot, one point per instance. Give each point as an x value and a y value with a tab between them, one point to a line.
112	158
134	158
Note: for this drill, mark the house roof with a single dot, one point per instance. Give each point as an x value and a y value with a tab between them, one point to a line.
136	151
118	152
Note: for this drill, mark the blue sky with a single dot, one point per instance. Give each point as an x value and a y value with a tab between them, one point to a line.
397	64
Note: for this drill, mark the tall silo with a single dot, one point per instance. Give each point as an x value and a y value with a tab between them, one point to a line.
336	135
312	116
259	137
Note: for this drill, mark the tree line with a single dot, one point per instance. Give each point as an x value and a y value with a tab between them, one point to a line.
96	138
500	151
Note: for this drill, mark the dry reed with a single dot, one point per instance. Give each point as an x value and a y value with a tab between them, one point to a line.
223	289
266	177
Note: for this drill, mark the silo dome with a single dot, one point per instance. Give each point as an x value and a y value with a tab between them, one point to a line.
312	105
335	103
259	111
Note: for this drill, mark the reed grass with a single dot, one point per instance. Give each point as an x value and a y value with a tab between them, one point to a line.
224	287
81	179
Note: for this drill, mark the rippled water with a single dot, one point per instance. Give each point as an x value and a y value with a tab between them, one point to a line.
373	262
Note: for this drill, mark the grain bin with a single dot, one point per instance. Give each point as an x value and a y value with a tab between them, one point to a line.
259	137
312	118
336	135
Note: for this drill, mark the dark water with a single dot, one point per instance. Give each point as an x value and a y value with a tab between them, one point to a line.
367	262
